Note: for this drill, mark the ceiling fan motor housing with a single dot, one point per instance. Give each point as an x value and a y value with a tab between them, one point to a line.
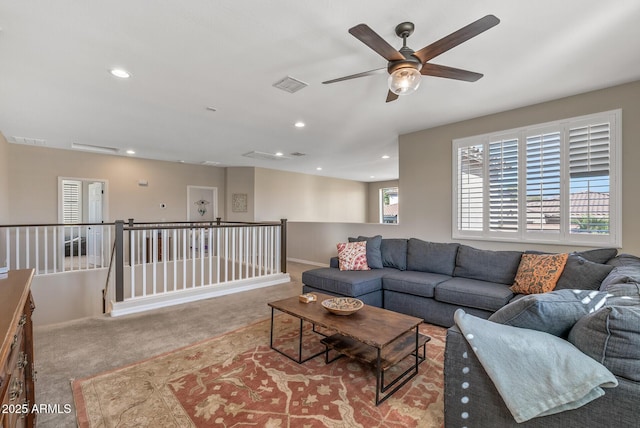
410	61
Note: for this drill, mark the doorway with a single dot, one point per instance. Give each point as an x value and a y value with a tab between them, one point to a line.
82	205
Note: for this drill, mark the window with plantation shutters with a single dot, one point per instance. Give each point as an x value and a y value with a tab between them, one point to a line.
550	183
71	201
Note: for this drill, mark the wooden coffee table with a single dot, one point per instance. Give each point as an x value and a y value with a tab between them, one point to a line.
372	335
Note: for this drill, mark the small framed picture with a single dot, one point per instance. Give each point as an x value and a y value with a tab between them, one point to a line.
239	202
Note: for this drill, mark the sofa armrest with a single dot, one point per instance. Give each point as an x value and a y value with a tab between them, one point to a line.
334	263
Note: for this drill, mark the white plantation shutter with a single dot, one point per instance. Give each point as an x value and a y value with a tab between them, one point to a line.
589	165
503	185
589	150
71	201
543	182
470	191
550	183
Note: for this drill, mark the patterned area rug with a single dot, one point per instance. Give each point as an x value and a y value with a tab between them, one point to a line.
238	380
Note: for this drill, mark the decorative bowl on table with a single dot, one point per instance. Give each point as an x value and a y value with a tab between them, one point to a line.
342	305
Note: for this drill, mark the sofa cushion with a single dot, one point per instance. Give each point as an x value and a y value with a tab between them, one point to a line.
486	265
555	312
394	253
412	282
374	256
346	283
598	255
433	257
538	273
611	336
353	256
473	293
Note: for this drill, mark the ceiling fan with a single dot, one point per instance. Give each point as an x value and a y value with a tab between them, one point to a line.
406	66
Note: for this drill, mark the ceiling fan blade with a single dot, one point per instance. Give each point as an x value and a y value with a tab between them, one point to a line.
354	76
370	38
456	38
436	70
391	96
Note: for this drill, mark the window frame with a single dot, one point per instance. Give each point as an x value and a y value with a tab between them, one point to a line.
381	204
564	236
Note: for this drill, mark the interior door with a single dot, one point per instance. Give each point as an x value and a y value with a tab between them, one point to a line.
94	233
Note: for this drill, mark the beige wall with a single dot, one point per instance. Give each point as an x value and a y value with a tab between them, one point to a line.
425	162
240	180
373	205
4	181
303	197
34	172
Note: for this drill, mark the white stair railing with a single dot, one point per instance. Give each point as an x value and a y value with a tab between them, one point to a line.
165	262
55	248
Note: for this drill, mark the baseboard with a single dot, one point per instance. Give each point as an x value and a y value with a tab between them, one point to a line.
307	262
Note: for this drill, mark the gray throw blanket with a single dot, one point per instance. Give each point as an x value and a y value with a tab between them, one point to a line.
536	373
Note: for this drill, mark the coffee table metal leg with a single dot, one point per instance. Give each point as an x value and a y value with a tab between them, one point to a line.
298	360
406	376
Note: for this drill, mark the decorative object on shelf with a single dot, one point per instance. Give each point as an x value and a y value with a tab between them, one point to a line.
239	202
307	298
343	305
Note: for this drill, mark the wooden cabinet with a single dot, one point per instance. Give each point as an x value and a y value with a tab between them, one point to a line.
17	372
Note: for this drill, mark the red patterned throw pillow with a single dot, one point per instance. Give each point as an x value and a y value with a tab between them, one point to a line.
538	273
353	256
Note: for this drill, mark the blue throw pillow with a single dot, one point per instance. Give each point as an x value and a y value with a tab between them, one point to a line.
582	274
374	256
555	312
611	337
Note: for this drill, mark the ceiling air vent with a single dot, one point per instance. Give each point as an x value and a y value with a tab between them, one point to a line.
297	154
210	163
264	156
289	84
92	148
26	140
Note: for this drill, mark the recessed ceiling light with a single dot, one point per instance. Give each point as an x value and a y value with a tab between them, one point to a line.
279	154
131	152
385	157
121	73
319	168
299	124
373	176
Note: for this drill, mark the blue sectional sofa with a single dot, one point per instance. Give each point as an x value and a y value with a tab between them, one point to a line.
595	306
432	280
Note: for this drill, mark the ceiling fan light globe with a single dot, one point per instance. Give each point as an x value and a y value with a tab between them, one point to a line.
404	81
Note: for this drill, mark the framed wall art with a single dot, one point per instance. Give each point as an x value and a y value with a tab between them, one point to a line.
239	202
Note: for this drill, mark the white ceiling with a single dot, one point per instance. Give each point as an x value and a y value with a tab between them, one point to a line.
187	55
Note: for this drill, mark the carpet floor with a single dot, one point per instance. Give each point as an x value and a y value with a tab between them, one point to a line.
236	379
